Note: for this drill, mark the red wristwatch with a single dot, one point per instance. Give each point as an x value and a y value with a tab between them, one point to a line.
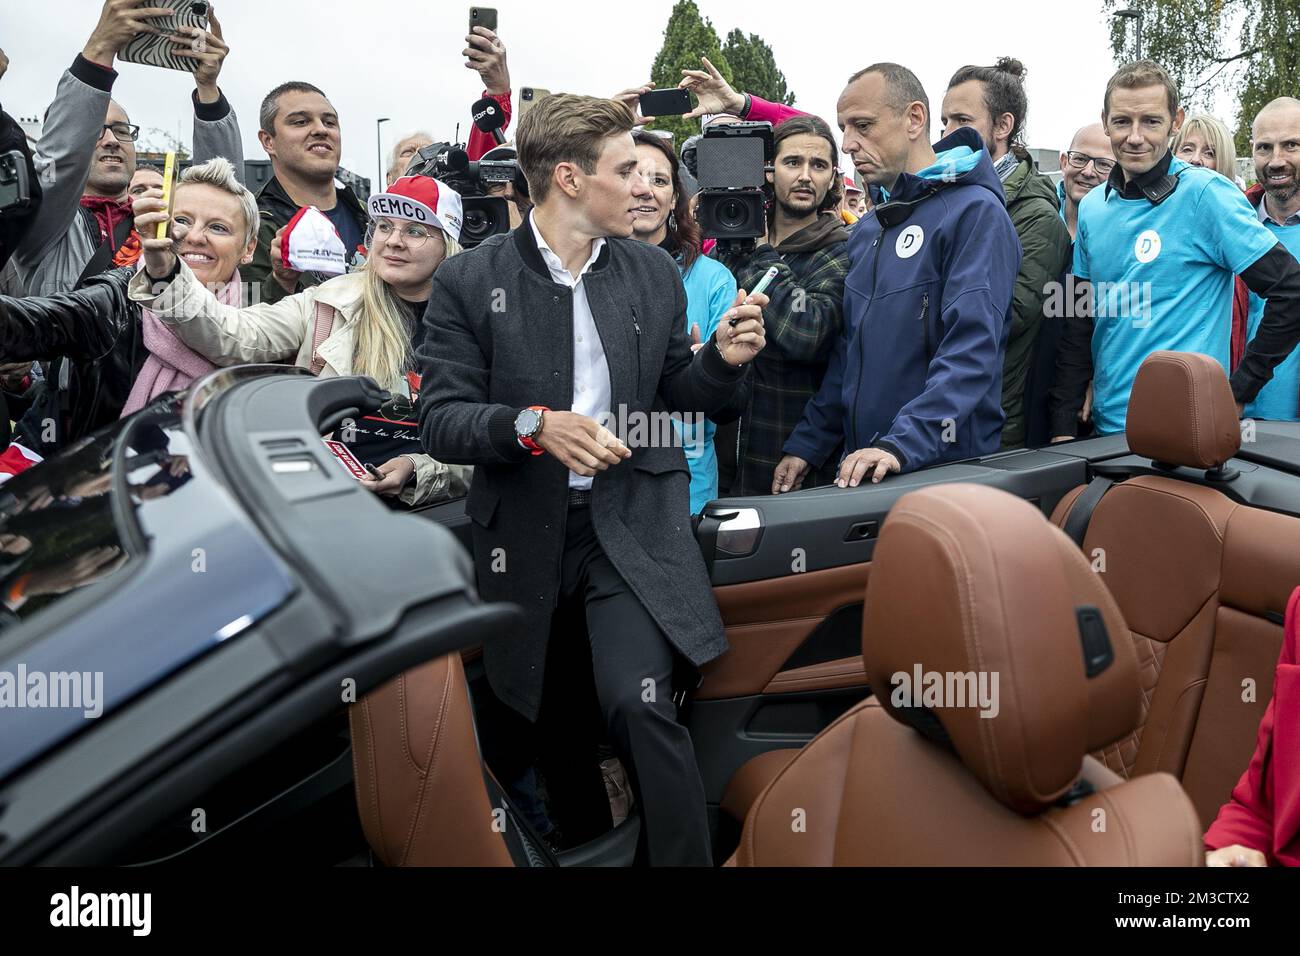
528	424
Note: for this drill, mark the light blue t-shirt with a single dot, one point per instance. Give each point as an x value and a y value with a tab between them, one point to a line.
1279	400
1162	277
710	290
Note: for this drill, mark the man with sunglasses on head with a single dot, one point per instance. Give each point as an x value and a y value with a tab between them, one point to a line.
85	226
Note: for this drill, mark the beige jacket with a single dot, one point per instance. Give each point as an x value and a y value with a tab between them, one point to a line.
272	332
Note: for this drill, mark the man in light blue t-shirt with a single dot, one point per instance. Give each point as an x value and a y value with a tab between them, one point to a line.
1275	145
1159	246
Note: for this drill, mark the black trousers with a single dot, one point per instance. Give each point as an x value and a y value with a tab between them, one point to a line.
632	663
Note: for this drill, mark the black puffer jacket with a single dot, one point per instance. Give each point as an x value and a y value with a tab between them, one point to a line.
98	329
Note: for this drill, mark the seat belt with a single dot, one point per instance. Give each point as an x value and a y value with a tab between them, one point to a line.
1080	516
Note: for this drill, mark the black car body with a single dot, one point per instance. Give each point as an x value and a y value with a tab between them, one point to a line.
258	590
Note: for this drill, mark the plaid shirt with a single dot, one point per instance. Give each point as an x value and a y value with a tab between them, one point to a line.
803	322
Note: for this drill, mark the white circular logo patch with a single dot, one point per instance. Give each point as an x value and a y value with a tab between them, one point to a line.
909	242
1147	246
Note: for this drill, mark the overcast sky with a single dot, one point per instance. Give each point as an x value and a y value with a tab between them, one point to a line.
401	58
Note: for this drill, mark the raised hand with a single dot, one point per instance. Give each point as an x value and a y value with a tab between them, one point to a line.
739	343
119	21
631	98
486	55
159	254
209	50
711	89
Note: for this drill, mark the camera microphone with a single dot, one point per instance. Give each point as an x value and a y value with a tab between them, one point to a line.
489	118
456	159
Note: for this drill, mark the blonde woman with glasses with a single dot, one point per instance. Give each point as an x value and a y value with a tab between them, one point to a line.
367	322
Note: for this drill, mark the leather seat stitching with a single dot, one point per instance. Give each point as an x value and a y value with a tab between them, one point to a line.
1058	831
969	624
751	819
368	729
426	783
403	733
1157	489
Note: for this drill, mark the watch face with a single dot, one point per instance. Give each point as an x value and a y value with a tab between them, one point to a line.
527	421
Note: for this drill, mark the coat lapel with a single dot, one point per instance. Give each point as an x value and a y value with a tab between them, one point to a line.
618	337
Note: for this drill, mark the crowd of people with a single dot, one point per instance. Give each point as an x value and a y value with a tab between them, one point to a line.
947	301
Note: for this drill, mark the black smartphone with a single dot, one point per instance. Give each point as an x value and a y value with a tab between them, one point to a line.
483	17
672	102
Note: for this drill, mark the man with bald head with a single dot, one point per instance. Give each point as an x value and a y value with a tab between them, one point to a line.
1085	165
1275	147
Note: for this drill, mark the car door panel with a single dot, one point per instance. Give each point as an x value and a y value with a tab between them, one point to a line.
768	621
790	577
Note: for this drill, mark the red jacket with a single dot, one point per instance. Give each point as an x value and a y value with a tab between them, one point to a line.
1264	810
1241	295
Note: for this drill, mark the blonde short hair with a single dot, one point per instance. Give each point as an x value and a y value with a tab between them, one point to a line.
220	172
566	128
1215	134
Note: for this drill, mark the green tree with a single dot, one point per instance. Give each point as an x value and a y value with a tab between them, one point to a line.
754	68
1275	71
687	37
1248	48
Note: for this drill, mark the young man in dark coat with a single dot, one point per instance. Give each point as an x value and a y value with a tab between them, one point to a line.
533	339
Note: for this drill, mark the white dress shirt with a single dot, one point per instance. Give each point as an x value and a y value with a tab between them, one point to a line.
591	389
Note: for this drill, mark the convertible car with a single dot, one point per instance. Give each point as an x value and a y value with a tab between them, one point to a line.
272	664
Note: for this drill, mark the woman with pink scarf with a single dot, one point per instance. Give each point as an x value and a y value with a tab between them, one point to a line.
139	357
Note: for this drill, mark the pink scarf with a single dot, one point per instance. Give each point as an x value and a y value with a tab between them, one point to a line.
171	364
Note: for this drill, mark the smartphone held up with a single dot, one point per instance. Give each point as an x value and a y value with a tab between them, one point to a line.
671	102
187	25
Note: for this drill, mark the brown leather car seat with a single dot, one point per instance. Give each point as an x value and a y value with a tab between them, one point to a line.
418	773
1201	580
968	579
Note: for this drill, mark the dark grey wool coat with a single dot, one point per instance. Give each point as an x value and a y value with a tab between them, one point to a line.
498	338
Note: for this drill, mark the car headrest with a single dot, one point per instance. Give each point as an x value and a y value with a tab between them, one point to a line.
1181	411
974	588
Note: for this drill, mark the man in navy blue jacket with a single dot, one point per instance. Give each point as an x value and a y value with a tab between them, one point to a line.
916	377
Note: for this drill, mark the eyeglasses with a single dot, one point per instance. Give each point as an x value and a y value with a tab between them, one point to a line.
124	132
1079	160
415	236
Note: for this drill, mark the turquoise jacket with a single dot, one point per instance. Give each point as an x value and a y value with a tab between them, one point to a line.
710	290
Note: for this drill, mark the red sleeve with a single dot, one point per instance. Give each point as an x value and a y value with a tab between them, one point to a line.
1247	818
479	141
1240	315
760	110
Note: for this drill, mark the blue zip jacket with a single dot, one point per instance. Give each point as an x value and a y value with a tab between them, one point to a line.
927	309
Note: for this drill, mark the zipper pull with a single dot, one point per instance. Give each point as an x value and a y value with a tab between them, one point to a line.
634	322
